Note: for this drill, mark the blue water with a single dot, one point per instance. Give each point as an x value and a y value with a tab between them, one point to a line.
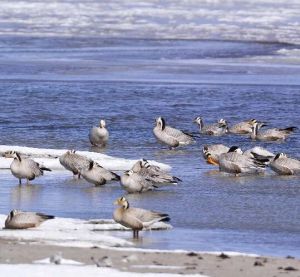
53	90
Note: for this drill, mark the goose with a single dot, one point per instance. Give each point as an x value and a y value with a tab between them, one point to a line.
274	134
283	165
153	173
99	135
133	182
136	218
212	152
74	162
236	163
24	168
242	128
216	129
22	220
171	136
98	175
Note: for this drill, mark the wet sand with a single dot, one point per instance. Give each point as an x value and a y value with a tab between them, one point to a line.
138	260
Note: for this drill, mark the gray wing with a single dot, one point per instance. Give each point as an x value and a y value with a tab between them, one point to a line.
165	138
179	135
32	166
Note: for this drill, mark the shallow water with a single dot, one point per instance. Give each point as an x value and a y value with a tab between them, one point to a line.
54	90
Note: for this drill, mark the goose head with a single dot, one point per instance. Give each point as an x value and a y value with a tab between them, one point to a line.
11	215
252	121
16	156
122	201
145	163
222	122
9	154
102	123
280	155
160	122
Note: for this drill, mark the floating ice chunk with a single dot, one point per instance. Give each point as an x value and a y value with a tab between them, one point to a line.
50	158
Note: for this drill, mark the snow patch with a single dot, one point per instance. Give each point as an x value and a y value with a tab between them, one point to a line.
73	232
50	158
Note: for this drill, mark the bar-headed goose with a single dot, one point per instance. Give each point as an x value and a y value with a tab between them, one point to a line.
136	218
212	152
216	129
235	162
99	135
133	182
23	220
25	168
153	173
242	128
74	162
171	136
98	175
274	134
283	165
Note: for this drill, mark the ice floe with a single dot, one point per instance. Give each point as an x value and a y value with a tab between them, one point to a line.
50	158
38	270
73	232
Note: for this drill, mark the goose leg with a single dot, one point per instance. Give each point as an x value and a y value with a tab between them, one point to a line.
27	181
20	181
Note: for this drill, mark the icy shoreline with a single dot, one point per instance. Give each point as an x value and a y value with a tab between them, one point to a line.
74	232
49	158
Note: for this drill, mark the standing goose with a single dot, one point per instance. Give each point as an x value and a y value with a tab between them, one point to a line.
171	136
242	128
25	168
136	218
23	220
236	163
99	135
211	153
283	165
133	182
273	134
98	175
216	129
74	162
153	173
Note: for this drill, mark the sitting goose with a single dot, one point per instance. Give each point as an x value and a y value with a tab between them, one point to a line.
242	128
216	129
99	135
133	182
135	218
171	136
98	175
212	152
74	162
284	165
273	134
153	173
23	220
235	162
25	168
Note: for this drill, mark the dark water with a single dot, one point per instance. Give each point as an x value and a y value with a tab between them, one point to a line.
53	90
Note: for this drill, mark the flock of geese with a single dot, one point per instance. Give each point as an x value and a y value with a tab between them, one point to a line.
144	176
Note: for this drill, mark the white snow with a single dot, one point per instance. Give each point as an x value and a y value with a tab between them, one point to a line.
73	232
37	270
62	261
50	158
